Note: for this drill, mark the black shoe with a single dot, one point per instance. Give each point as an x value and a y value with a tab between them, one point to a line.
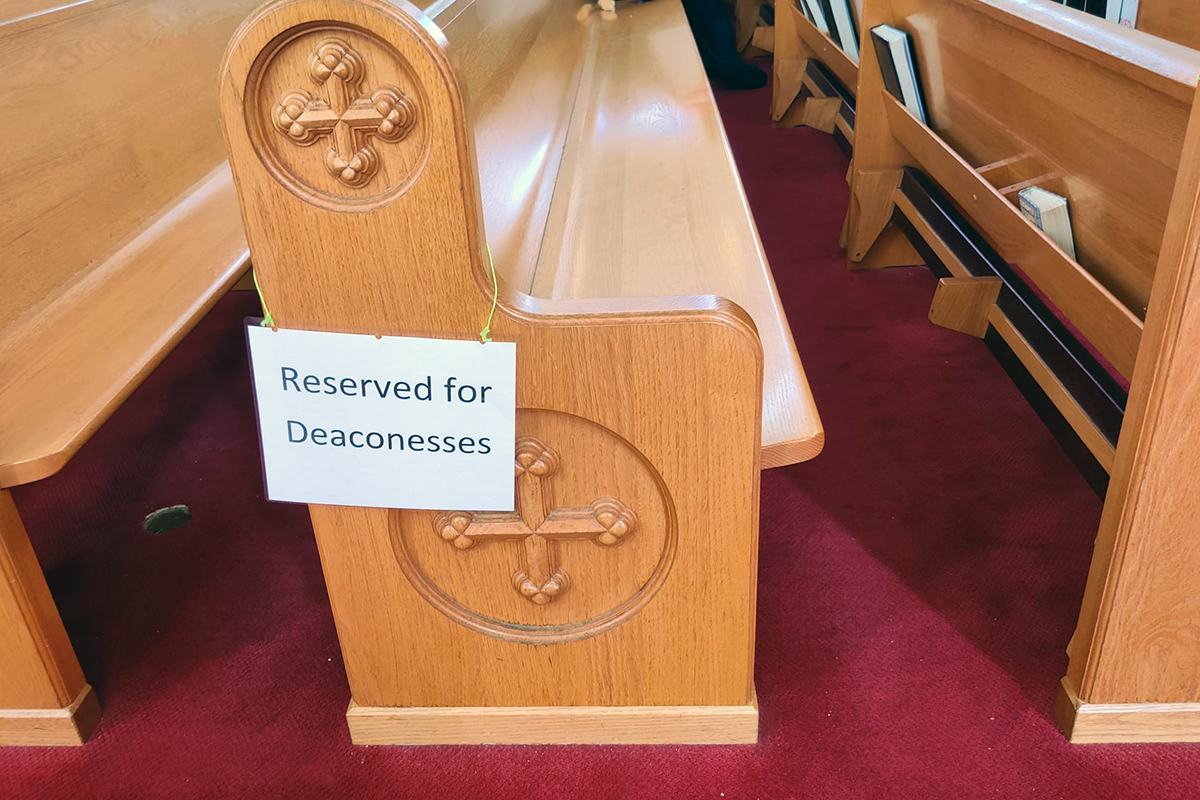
737	75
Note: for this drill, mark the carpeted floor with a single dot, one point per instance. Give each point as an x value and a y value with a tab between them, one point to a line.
919	580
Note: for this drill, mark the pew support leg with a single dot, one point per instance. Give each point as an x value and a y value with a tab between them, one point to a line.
872	200
891	249
44	699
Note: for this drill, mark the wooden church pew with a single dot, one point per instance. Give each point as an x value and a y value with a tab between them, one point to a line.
1174	20
120	228
618	227
814	80
1019	93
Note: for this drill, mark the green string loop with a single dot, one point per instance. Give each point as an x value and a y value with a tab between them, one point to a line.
268	321
485	335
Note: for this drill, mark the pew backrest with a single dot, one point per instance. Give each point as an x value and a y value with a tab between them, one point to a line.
119	222
1051	97
617	180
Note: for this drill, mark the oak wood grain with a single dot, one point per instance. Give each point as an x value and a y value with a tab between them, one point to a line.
645	117
40	670
1138	638
962	304
994	128
1175	20
1101	723
120	228
561	725
1108	323
656	401
69	726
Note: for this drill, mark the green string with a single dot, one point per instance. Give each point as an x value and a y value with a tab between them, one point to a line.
485	335
267	322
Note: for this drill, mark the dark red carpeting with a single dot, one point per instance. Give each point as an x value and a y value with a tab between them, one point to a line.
919	580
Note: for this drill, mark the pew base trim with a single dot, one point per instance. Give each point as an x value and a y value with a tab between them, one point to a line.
378	725
1097	723
51	727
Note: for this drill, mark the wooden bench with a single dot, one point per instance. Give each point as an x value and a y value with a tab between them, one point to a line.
814	80
1115	132
592	155
120	228
1174	20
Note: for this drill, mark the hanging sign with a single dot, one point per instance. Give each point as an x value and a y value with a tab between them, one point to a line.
386	422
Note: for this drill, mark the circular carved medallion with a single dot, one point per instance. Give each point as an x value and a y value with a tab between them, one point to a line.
589	544
338	117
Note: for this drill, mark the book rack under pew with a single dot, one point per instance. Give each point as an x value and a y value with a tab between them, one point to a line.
814	80
1114	131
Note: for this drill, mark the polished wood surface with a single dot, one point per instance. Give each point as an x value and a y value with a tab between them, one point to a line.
559	185
1110	723
125	235
1174	20
560	725
120	227
797	39
655	402
644	116
980	100
1130	166
962	304
68	726
1108	323
40	670
1138	639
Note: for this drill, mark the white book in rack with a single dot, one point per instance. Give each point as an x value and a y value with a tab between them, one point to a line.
1049	212
843	20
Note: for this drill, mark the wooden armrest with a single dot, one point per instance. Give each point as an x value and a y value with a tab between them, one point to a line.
69	365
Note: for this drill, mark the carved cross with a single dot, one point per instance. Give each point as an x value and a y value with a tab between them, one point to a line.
538	525
346	115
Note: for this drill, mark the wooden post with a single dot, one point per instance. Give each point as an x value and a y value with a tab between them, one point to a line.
1134	673
789	63
44	699
872	240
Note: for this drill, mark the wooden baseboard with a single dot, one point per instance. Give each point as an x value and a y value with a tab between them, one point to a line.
51	727
1091	723
559	725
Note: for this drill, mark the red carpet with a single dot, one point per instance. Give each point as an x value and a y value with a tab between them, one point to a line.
919	581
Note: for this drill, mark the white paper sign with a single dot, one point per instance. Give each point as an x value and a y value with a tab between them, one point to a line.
391	422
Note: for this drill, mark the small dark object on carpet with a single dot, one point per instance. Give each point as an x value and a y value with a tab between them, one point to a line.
166	519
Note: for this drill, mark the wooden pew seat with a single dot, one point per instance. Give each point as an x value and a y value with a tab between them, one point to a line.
69	363
646	201
120	228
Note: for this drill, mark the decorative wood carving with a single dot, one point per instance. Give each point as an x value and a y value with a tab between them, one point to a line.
537	525
346	115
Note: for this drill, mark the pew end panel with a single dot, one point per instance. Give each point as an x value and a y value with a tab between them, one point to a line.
997	124
650	406
121	229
